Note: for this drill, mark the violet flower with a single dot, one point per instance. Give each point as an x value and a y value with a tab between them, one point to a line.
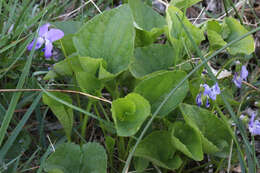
254	125
208	93
243	75
47	37
198	99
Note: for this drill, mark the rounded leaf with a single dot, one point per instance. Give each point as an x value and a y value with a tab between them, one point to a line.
129	113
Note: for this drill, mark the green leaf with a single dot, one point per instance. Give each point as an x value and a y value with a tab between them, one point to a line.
94	158
67	45
129	113
156	86
151	58
88	83
187	140
157	148
110	36
214	32
62	112
177	34
215	135
69	157
145	17
245	46
183	4
87	78
140	164
149	24
68	26
63	68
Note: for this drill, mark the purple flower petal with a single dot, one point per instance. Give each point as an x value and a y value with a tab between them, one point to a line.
198	99
216	89
38	45
54	34
251	122
207	103
48	49
244	72
237	80
207	90
44	29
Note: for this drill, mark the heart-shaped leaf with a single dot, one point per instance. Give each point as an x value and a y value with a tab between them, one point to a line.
187	140
215	135
101	38
129	113
158	148
156	86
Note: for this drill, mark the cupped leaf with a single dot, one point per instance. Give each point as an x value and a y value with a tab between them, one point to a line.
244	46
187	140
183	4
109	36
149	23
215	135
61	111
156	86
157	148
69	157
177	34
151	58
129	113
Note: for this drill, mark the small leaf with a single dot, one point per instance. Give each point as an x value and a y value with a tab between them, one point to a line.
62	112
187	140
156	86
244	46
129	113
151	58
215	135
109	36
183	4
157	148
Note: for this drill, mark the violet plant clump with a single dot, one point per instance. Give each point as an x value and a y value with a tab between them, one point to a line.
47	37
239	78
209	92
